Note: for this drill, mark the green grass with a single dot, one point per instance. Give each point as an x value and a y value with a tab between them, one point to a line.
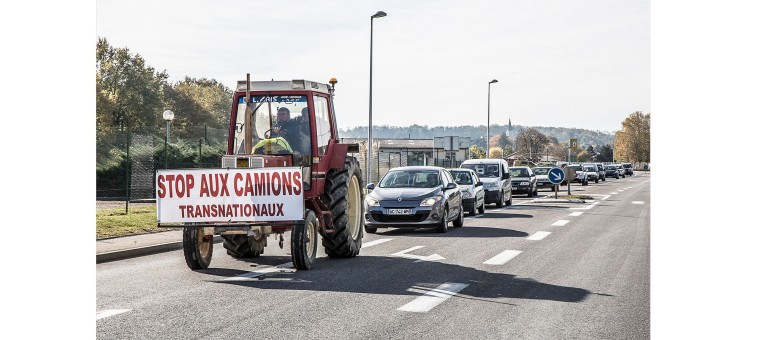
115	222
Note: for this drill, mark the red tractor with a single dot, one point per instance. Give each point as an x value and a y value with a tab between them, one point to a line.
285	170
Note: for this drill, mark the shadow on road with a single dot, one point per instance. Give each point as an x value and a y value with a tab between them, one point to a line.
381	275
466	231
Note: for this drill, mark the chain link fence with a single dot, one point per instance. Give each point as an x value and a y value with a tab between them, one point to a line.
126	161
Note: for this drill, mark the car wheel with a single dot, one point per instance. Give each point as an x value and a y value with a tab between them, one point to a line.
596	180
459	222
535	191
509	202
444	225
500	203
482	208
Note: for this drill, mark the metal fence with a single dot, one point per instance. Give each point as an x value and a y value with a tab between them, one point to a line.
127	161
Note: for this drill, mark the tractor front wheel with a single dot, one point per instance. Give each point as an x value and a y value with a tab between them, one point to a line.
303	242
197	246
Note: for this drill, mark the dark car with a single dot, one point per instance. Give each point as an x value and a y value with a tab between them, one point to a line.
628	168
611	171
414	196
523	180
473	195
542	177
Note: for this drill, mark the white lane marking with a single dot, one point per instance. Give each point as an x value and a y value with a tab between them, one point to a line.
577	213
503	257
419	258
560	223
613	193
375	242
539	235
433	298
110	312
284	267
638	202
496	210
587	207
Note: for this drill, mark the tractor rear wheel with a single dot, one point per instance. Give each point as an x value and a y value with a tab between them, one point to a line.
345	198
197	246
242	246
303	242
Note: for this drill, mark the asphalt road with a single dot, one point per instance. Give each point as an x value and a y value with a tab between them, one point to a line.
529	271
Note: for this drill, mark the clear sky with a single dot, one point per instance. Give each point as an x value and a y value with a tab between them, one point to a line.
583	64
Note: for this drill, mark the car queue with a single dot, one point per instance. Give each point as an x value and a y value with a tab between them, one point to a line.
431	196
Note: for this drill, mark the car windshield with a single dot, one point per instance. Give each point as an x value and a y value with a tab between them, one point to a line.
577	167
610	167
590	168
519	172
541	171
484	170
462	177
410	179
626	165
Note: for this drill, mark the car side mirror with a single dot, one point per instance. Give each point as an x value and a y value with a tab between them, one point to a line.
370	186
505	175
479	184
451	186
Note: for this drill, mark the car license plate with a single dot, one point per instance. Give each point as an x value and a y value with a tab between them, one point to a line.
399	211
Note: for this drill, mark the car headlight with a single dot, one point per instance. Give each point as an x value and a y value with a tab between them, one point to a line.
372	202
466	194
430	201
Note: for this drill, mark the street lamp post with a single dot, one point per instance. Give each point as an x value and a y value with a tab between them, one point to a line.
488	123
379	14
168	117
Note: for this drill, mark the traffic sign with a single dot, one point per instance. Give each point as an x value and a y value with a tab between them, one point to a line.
574	143
556	176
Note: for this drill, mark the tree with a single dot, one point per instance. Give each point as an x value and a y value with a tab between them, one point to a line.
495	153
530	143
198	103
477	152
632	141
605	153
128	91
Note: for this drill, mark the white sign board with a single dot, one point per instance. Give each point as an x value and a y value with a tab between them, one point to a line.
229	195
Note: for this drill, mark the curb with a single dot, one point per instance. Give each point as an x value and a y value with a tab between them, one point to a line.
142	251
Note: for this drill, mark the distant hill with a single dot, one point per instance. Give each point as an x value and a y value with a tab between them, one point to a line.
585	137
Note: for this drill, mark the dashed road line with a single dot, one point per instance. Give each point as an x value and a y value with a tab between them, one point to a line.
576	213
503	257
375	242
613	193
433	297
638	202
560	223
110	312
539	235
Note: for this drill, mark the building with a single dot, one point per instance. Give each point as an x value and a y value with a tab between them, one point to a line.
391	153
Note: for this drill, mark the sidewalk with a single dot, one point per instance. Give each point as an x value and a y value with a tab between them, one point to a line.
120	248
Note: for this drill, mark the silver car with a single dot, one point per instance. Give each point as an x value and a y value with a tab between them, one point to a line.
473	195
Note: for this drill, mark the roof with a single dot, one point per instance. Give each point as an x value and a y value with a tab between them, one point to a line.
284	85
417	167
387	143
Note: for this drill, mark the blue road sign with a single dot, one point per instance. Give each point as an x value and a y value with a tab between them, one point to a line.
556	176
